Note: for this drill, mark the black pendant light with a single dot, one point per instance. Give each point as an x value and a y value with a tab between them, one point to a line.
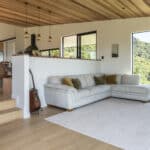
26	33
39	34
50	37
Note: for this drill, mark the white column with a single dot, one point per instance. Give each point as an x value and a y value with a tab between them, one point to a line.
20	82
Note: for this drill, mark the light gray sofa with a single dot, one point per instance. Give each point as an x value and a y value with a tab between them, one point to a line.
67	97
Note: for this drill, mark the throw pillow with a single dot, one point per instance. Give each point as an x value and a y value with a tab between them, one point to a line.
111	79
99	80
76	83
67	81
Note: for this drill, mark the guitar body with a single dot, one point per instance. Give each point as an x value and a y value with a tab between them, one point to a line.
34	100
34	97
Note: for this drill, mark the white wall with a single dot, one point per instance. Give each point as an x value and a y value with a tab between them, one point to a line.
108	33
42	68
20	82
6	31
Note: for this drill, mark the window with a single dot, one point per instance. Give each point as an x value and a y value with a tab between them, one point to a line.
88	46
54	53
141	55
81	46
70	46
45	53
50	52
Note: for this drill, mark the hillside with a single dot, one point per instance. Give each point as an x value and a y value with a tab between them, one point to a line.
142	60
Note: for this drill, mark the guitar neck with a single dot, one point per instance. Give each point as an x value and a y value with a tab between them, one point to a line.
32	78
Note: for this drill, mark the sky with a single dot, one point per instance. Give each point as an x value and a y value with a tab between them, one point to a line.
143	36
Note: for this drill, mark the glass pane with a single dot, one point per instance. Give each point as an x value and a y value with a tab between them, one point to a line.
55	53
88	46
45	53
70	46
1	56
141	56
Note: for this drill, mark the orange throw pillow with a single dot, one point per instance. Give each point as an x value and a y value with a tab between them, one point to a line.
67	81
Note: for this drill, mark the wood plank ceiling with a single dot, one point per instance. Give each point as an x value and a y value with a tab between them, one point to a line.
70	11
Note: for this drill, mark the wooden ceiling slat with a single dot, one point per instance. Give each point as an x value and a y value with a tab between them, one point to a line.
63	9
109	7
79	9
69	11
11	21
99	9
142	6
129	5
117	7
88	10
49	6
22	16
4	15
45	11
33	11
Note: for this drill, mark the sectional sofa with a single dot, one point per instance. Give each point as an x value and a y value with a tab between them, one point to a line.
63	96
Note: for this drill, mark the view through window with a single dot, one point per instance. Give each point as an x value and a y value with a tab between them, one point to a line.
88	46
82	46
70	46
55	52
141	56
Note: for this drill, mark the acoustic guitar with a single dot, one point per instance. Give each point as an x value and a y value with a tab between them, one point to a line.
35	104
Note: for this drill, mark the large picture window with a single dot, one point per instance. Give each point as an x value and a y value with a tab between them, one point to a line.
141	55
81	46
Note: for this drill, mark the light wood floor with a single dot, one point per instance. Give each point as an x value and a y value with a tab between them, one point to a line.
38	134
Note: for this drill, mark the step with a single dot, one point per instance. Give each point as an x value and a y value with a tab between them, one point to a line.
10	115
7	104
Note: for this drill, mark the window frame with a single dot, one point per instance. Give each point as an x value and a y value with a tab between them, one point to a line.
49	50
79	35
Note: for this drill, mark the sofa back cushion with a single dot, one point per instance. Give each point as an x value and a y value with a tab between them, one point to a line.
131	79
118	78
55	80
86	80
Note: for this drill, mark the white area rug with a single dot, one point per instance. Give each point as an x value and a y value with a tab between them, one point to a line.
123	123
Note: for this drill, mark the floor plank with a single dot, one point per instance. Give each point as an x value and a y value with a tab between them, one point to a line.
36	133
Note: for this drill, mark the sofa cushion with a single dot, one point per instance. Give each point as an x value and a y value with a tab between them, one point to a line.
93	90
55	80
139	89
90	80
99	89
118	78
83	81
86	80
83	93
130	79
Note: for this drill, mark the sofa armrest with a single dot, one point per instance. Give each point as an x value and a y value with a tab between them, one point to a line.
61	87
60	95
131	79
